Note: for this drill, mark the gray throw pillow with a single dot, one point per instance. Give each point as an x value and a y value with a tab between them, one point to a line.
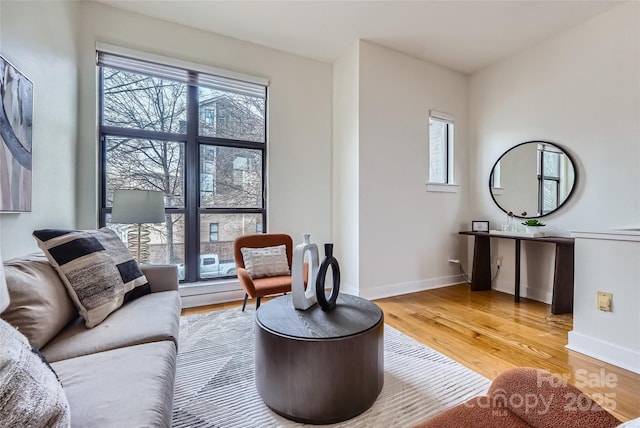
97	268
39	305
30	393
266	261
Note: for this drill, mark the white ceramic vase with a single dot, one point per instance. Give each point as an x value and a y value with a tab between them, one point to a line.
304	299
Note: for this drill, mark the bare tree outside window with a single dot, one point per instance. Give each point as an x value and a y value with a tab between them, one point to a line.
146	144
131	100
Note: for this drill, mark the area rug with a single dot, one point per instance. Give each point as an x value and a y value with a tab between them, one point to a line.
215	378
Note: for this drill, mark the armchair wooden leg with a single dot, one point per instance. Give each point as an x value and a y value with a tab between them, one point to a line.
258	303
246	296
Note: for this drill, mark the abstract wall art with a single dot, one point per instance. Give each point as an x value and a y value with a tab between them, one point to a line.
16	100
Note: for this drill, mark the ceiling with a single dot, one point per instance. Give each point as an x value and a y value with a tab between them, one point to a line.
461	35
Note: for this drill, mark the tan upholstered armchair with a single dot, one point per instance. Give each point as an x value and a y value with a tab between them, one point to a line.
260	287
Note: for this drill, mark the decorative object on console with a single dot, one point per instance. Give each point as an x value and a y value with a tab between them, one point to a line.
508	227
138	208
329	261
534	226
533	223
97	269
16	114
480	226
304	299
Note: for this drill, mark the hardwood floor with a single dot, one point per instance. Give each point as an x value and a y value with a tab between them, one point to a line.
487	332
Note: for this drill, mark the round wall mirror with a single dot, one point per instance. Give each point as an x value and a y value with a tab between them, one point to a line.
532	179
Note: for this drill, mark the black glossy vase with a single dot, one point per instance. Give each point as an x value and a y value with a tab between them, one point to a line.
329	260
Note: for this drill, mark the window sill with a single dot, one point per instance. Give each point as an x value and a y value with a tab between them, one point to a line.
442	187
206	287
497	190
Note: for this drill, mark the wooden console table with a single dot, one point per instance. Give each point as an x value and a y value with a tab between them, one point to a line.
562	300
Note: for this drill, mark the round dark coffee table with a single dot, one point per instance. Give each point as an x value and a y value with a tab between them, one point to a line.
319	367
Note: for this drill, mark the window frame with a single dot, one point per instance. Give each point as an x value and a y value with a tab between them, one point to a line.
449	131
216	232
192	210
543	178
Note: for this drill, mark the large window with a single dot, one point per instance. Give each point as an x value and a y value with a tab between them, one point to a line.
440	148
201	140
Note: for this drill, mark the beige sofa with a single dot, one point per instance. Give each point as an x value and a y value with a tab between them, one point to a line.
117	374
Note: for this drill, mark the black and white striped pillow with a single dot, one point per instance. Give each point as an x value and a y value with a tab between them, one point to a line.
96	267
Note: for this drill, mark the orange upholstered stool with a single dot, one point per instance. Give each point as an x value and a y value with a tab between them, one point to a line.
526	397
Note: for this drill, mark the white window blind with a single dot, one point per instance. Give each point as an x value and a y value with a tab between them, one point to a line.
190	77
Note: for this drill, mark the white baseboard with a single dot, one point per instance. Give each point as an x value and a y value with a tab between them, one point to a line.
528	292
210	294
212	298
405	287
619	356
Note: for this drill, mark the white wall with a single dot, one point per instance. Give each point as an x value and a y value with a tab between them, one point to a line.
346	168
580	90
611	263
299	115
406	233
39	39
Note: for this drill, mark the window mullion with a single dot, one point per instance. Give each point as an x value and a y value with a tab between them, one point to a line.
192	249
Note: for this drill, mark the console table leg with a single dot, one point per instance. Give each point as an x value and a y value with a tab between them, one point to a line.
517	279
481	279
562	300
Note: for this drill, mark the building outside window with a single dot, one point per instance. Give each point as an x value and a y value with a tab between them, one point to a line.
200	139
440	148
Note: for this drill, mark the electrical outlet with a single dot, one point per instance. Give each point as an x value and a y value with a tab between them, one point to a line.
605	301
499	261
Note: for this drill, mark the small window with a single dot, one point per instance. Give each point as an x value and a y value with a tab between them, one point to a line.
213	231
440	148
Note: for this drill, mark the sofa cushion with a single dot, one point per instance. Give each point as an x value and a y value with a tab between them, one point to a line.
267	261
125	387
30	393
151	318
39	304
97	268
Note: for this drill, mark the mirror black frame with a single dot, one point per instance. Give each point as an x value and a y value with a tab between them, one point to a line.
571	192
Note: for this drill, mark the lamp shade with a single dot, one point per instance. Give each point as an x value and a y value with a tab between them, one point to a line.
137	206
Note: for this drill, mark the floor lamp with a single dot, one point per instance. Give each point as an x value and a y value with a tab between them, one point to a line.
138	207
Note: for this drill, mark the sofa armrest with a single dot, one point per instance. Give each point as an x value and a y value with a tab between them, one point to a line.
161	277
